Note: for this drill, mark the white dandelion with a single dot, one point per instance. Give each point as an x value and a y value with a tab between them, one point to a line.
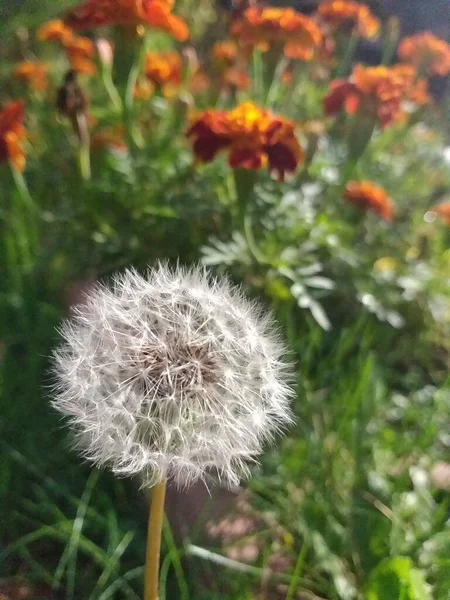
172	375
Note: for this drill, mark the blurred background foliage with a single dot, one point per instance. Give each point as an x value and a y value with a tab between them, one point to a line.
355	501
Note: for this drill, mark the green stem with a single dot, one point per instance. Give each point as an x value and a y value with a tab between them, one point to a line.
276	81
134	134
155	524
251	242
26	221
346	62
84	161
258	74
114	96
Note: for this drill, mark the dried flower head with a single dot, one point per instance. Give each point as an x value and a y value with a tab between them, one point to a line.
349	15
174	375
298	35
128	13
254	137
12	133
368	196
428	53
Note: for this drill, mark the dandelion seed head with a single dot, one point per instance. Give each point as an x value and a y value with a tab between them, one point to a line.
172	374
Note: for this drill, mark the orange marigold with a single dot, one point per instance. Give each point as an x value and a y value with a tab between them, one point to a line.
155	13
55	30
443	211
163	70
378	92
80	52
235	78
264	27
350	15
427	52
368	196
253	136
33	72
225	53
12	132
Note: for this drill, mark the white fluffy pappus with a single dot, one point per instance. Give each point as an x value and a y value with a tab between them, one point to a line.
174	374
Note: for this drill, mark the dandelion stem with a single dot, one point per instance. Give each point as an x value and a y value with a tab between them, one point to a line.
155	523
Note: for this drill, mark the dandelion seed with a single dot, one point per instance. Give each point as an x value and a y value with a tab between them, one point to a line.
172	375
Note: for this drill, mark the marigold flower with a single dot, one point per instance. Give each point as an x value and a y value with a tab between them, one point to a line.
253	136
80	52
236	78
34	72
367	196
172	375
225	53
349	15
163	70
12	133
427	52
378	92
443	211
55	30
264	27
155	13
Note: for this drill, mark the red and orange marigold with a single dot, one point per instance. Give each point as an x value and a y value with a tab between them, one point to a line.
428	53
33	72
163	70
368	196
225	53
253	137
349	15
265	27
376	92
12	133
128	13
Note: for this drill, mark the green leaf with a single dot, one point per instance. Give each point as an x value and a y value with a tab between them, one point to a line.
397	579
